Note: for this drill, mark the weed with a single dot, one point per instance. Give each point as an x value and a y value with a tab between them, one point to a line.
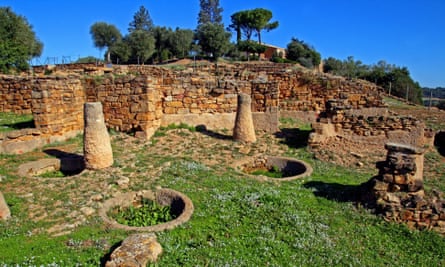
148	214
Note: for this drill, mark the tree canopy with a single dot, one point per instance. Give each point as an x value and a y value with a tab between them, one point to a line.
105	36
396	80
252	21
213	39
141	21
303	53
19	43
210	12
210	34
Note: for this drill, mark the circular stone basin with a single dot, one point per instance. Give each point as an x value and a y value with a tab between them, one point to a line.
290	168
68	166
179	203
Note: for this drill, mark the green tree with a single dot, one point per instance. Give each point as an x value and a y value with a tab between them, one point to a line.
251	47
213	39
261	21
210	33
181	41
302	53
162	37
105	36
252	21
142	45
210	12
241	24
141	21
121	51
89	59
19	43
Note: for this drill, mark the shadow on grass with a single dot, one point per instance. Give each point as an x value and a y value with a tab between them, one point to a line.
70	163
293	137
336	192
203	129
439	142
20	125
106	257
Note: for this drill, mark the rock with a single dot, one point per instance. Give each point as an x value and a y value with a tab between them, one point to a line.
244	130
87	211
97	146
5	213
137	250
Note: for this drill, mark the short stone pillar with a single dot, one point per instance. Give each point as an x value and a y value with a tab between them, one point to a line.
5	213
404	168
244	130
96	143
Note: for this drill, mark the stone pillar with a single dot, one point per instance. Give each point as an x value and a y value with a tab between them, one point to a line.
244	130
5	213
404	168
96	143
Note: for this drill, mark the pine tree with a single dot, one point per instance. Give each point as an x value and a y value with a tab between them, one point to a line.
210	12
141	21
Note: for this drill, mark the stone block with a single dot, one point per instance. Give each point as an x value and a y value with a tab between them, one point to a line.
5	213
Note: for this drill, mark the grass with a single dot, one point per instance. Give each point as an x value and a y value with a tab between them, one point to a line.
10	121
237	221
149	213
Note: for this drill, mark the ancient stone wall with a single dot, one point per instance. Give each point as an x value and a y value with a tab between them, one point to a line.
141	98
15	94
130	103
57	104
397	192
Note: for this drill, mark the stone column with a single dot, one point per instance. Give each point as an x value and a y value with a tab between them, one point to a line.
96	143
244	130
5	213
404	168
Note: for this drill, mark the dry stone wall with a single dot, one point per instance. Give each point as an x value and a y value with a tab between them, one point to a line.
15	94
141	98
130	103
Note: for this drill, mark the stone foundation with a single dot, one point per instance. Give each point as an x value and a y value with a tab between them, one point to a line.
397	192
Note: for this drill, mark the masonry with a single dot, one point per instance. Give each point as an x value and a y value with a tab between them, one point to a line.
140	99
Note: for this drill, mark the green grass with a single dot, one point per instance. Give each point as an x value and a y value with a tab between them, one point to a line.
10	121
237	221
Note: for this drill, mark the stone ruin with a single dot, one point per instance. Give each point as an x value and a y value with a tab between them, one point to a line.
5	213
96	143
140	99
244	130
397	192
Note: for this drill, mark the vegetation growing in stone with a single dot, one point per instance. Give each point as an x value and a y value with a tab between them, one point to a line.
147	214
273	172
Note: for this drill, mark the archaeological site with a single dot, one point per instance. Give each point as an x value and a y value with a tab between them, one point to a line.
241	106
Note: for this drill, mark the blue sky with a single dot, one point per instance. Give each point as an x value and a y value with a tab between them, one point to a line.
407	33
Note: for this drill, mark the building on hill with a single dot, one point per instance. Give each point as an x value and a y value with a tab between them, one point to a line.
272	50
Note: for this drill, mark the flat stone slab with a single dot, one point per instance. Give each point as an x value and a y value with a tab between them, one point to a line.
137	250
73	165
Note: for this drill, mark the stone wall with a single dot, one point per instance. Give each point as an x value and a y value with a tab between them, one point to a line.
141	98
130	103
15	94
341	119
57	104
